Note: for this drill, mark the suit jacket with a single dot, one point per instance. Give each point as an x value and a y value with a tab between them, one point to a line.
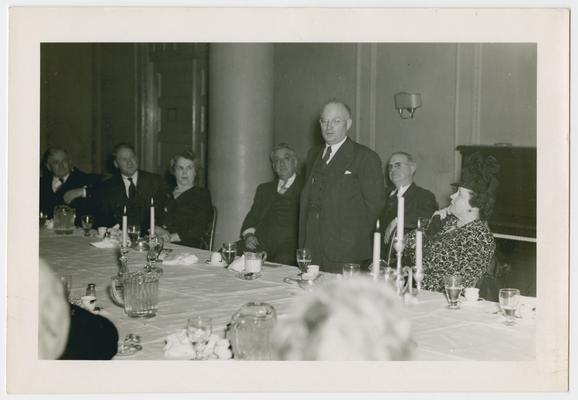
112	198
262	204
418	203
351	204
77	179
189	215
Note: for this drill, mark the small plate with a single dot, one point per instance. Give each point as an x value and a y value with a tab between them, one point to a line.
221	264
248	276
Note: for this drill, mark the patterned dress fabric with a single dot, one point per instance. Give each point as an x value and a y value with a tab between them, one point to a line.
465	251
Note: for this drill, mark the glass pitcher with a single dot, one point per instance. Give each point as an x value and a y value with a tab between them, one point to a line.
250	331
137	292
64	219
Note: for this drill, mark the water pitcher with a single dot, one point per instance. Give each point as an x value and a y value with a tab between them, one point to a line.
250	331
64	219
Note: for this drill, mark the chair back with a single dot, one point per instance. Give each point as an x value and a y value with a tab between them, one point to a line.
209	236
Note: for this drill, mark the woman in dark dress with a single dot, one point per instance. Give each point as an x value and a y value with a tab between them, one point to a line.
184	211
458	240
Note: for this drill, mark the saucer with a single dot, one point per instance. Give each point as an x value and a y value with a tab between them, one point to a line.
221	264
248	276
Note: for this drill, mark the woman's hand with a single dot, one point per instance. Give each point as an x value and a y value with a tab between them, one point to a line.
443	213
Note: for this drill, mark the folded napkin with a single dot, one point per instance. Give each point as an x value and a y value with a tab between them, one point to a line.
238	264
179	347
181	259
106	243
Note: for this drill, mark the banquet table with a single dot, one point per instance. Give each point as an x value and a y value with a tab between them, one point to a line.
475	332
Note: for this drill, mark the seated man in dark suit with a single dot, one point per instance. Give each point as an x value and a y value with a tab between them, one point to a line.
64	184
130	187
272	223
418	202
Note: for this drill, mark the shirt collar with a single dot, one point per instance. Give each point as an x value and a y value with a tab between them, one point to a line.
287	184
402	189
57	179
134	178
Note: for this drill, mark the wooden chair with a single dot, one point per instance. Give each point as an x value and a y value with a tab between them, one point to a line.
209	236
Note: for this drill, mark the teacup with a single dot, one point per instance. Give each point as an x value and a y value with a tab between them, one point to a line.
216	258
313	269
101	231
254	261
472	294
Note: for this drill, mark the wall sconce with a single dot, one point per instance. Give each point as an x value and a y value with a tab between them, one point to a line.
407	103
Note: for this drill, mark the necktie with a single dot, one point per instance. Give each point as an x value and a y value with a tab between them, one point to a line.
327	155
131	189
283	188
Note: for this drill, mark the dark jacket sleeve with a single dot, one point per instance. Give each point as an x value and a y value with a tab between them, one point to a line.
256	212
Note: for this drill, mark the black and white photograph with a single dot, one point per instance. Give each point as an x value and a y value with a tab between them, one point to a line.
344	190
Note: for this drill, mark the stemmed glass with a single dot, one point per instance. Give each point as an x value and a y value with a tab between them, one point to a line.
199	328
229	252
43	218
303	259
87	221
156	245
133	234
509	300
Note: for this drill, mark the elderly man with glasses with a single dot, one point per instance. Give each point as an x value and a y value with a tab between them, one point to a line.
343	195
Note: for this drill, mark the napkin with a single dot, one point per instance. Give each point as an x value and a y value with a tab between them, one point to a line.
238	264
181	259
106	243
179	347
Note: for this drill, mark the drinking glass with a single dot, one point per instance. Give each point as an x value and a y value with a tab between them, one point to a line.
351	269
229	252
303	259
86	221
199	328
509	300
453	286
133	234
156	245
66	284
43	218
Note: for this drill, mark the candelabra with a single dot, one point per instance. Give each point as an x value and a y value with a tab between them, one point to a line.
402	277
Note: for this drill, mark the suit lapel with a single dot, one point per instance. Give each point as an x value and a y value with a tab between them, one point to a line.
342	160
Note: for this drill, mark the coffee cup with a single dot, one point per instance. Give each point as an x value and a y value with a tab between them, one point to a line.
216	258
313	269
101	231
472	294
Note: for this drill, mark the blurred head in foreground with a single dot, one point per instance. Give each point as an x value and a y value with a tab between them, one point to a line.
345	320
53	315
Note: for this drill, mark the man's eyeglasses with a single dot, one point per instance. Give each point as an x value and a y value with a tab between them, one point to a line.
332	122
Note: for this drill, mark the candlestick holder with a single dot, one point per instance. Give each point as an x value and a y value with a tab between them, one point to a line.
403	277
156	244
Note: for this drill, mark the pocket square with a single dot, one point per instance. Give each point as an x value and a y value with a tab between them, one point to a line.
347	172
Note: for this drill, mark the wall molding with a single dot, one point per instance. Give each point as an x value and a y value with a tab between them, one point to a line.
372	94
477	94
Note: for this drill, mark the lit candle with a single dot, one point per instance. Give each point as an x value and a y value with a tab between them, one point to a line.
400	217
376	250
152	229
124	228
418	247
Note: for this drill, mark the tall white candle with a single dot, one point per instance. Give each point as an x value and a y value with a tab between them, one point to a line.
376	251
400	217
152	229
418	247
124	228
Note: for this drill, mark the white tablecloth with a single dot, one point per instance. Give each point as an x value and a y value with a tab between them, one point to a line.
475	332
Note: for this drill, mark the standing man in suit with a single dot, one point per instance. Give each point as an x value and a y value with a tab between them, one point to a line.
64	184
273	221
343	195
130	187
418	202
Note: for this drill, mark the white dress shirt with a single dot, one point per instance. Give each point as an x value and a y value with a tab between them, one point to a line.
334	148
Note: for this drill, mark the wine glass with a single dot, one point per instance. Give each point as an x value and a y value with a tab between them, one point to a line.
453	286
156	245
133	234
303	259
509	300
229	251
86	221
43	218
199	328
